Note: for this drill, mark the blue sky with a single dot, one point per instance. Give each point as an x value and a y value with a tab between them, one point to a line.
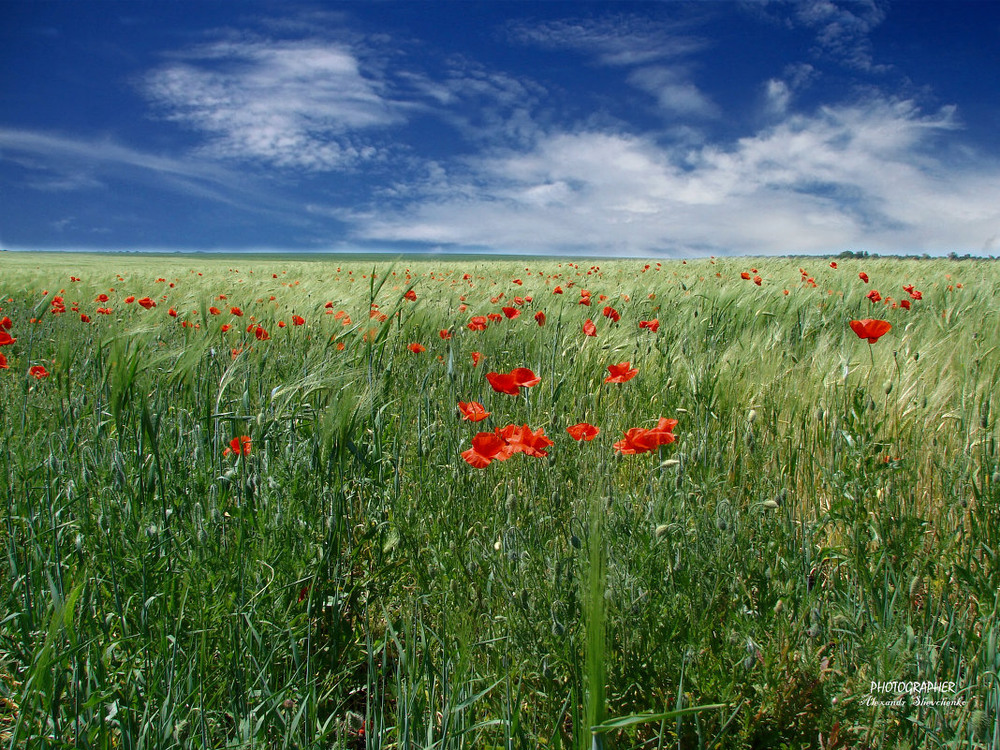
672	129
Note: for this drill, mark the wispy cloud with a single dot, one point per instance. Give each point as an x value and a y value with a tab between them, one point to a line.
56	162
295	104
850	176
624	40
656	51
673	92
483	105
842	29
779	92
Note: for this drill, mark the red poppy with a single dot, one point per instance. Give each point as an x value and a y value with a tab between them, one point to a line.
478	323
583	431
540	318
281	324
874	296
5	338
641	440
445	334
524	377
523	440
473	411
6	323
129	300
494	317
745	276
298	320
38	372
870	329
651	325
226	327
510	312
101	298
905	304
476	356
239	446
589	328
610	312
411	295
486	448
503	383
104	310
757	280
3	363
214	311
557	290
833	264
261	334
511	382
863	276
172	312
84	318
328	306
621	373
236	311
416	348
147	302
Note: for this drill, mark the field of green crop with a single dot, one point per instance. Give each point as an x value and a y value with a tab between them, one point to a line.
241	507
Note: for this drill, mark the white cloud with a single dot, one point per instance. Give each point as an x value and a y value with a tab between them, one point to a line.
777	95
628	40
842	29
846	177
674	94
57	162
482	105
290	104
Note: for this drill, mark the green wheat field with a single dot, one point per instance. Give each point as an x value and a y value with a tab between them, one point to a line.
240	506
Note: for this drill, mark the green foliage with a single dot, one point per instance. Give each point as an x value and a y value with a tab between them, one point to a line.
827	517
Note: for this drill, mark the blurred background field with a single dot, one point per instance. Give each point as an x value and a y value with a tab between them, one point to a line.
828	516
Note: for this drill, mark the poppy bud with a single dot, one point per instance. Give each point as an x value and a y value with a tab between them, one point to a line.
887	387
574	540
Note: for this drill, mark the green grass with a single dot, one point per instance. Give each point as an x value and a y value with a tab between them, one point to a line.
828	516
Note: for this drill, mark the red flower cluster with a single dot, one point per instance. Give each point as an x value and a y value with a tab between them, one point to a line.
504	442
